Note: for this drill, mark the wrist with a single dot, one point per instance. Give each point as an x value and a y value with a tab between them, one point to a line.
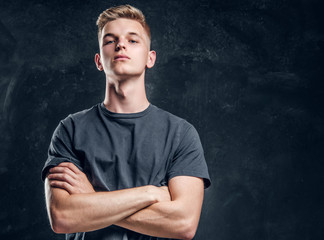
150	191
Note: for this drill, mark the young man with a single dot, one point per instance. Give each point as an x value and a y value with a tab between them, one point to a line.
125	169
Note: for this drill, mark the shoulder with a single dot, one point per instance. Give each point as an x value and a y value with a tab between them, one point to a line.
172	118
83	115
180	126
180	122
70	123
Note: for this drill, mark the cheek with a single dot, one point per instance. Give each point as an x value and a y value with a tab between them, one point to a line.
106	59
107	51
143	56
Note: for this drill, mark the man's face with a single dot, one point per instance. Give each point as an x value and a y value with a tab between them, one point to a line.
124	49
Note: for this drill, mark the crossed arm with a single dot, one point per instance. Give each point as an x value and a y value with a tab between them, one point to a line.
168	212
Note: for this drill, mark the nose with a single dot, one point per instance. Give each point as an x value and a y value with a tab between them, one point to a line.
120	45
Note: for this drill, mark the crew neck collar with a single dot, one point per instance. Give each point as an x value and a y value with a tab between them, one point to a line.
125	115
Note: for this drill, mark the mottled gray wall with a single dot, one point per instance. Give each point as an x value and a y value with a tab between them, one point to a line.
247	74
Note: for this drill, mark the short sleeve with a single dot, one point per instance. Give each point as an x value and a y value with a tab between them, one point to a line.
61	147
189	158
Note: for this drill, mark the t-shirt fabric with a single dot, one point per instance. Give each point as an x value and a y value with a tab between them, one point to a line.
125	150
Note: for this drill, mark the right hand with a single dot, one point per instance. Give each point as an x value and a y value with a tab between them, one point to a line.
67	176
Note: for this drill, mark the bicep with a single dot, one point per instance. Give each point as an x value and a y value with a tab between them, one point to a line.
53	193
54	196
189	193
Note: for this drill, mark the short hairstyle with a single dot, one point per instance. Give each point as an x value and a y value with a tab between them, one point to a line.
122	11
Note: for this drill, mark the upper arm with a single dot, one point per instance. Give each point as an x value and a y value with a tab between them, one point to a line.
188	192
54	199
188	158
61	148
53	195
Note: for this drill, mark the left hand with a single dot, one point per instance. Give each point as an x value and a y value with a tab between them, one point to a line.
67	176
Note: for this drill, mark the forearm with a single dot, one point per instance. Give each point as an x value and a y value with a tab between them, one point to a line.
163	219
174	219
92	211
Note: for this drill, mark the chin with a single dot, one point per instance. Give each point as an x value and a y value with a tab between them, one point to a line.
120	70
129	73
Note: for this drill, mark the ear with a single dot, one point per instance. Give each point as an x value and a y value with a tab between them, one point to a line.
151	59
98	62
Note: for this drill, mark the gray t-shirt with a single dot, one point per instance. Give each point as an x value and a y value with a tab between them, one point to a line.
126	150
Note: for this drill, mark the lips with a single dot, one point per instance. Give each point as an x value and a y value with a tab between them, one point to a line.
121	57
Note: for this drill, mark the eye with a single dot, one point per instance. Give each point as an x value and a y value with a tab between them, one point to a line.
109	42
132	41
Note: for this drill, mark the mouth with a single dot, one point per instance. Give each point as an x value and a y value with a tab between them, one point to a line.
121	57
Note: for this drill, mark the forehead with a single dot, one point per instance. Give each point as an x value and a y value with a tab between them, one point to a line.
123	26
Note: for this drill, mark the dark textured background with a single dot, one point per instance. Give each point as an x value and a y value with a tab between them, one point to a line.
247	74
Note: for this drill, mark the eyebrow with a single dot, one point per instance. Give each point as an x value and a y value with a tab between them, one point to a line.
108	35
113	35
134	34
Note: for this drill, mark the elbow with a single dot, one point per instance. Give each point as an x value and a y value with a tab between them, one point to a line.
188	230
57	228
59	222
189	234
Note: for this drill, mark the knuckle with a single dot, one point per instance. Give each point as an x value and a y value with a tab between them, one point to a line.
54	183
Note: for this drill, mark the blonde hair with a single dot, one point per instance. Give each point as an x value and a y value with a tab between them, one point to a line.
122	11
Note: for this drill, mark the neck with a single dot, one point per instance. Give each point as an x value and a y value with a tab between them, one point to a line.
126	95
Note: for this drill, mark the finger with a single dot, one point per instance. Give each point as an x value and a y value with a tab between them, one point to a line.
62	177
62	185
71	166
62	170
